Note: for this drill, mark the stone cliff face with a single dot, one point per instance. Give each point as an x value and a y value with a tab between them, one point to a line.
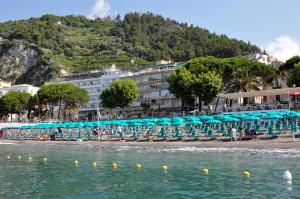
21	64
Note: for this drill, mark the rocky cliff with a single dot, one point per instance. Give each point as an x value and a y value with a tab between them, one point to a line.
21	63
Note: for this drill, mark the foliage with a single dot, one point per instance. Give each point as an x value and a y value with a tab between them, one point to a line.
120	94
14	103
79	44
238	74
108	99
290	63
207	86
66	96
180	83
294	76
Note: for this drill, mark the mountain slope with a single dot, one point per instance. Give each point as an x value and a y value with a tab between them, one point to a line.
77	44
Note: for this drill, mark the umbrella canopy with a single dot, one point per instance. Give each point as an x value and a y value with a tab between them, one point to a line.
250	118
135	124
192	119
293	114
163	123
175	119
212	121
230	119
205	117
164	119
271	117
149	124
178	124
193	122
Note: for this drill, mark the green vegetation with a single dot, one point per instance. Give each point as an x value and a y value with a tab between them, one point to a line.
120	94
205	77
14	103
291	71
78	44
65	96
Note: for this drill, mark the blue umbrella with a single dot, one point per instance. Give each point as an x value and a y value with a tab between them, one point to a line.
250	118
212	121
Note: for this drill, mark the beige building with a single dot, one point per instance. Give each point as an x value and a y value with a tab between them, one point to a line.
153	87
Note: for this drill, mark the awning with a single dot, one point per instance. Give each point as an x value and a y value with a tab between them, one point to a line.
272	92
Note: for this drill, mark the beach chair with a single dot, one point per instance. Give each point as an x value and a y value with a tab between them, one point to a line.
210	135
177	134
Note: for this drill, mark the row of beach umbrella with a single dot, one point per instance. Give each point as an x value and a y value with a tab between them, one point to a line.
176	121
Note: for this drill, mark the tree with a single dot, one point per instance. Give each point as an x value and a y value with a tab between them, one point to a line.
120	94
206	86
289	64
125	92
65	96
32	105
180	83
238	74
14	103
294	76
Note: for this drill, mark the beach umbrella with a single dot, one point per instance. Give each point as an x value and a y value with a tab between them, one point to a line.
271	117
192	119
163	123
135	124
178	124
293	114
149	124
213	121
193	122
205	117
230	119
250	118
164	119
121	124
177	119
239	116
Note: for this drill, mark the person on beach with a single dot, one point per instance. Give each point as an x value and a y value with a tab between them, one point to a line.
233	133
241	133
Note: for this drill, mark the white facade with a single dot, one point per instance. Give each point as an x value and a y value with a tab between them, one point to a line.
265	59
95	86
22	88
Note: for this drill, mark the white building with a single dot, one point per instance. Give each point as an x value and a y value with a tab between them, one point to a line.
23	88
265	59
95	82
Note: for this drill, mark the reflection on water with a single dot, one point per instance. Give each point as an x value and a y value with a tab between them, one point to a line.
58	177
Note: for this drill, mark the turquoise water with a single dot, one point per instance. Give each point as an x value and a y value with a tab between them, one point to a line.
60	178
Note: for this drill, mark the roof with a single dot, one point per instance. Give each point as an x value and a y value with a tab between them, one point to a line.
272	92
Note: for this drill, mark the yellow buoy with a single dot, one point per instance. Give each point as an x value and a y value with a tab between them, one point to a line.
94	164
164	168
45	159
19	157
76	162
246	174
30	159
8	157
138	166
114	165
205	171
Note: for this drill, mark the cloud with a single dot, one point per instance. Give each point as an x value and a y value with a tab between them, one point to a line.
100	9
283	48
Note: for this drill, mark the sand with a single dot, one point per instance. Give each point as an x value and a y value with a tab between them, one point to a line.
280	143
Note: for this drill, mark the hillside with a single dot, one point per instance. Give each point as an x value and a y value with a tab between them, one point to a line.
37	49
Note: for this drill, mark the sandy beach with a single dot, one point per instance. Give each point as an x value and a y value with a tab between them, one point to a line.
280	143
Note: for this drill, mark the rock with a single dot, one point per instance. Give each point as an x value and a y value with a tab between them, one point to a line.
21	64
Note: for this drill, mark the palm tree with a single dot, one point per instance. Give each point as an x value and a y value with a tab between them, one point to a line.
242	81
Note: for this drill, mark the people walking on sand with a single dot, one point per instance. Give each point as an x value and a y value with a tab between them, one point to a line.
233	133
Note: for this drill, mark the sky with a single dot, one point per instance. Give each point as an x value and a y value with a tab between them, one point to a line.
272	25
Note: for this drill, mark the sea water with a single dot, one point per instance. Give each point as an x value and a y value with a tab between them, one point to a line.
59	177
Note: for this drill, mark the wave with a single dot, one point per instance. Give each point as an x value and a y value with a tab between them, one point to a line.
7	143
277	153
